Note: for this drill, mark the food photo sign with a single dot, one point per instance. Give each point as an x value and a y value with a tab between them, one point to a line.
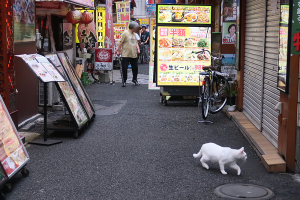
183	14
179	55
13	155
103	59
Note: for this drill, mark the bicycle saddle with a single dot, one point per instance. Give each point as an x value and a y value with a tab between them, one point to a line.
209	67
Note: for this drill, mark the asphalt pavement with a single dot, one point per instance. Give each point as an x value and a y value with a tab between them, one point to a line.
137	148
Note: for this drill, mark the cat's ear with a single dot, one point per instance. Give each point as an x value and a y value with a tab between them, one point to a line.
242	150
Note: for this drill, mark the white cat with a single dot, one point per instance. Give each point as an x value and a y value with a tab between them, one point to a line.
222	155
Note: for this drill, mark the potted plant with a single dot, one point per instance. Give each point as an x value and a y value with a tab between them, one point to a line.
231	93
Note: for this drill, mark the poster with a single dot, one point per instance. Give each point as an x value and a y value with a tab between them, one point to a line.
230	70
180	58
228	60
123	12
76	84
230	11
184	14
103	59
109	31
67	36
69	94
229	33
151	10
24	20
13	154
152	38
151	85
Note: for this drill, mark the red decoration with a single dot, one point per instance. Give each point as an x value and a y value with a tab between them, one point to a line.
74	16
86	18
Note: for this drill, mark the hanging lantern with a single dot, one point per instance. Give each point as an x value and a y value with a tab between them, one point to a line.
74	16
86	18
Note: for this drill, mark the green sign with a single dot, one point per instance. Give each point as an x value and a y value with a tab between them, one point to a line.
295	37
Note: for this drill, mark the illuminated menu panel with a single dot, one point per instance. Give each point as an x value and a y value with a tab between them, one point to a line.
184	14
179	56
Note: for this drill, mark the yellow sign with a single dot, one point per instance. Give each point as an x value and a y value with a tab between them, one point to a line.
144	21
184	14
152	38
123	12
181	54
118	30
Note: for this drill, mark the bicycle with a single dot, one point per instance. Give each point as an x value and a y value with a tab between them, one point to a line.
212	89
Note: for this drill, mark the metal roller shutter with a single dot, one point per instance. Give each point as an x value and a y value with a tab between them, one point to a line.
254	60
271	93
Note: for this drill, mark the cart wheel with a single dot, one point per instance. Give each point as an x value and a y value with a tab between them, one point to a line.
76	134
25	172
165	102
7	188
161	100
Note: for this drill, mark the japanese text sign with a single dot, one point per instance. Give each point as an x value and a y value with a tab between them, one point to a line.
123	12
183	14
151	10
109	31
103	59
180	55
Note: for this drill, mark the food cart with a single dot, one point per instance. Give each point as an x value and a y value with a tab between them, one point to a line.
182	31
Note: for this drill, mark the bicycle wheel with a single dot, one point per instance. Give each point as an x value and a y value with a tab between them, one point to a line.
205	98
96	75
219	97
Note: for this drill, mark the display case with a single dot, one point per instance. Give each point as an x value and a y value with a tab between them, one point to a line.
100	26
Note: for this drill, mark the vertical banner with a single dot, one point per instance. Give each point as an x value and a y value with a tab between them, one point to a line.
109	32
123	12
283	59
152	38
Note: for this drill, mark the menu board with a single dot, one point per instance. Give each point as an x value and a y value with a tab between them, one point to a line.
13	154
42	68
183	14
68	93
76	85
179	56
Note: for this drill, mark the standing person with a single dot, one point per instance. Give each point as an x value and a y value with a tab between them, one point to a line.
129	49
145	37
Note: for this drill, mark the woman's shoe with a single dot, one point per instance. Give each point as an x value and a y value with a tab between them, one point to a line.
124	84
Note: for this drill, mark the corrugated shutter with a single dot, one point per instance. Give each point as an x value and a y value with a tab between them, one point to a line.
271	93
254	60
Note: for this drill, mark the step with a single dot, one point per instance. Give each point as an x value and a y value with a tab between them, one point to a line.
265	150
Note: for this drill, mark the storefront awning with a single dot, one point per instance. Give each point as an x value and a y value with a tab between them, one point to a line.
81	3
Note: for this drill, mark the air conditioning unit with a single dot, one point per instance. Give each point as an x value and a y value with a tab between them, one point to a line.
52	96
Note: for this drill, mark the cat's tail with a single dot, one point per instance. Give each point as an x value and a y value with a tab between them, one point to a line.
198	155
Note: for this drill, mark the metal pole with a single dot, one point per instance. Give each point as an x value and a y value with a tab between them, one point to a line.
186	1
45	111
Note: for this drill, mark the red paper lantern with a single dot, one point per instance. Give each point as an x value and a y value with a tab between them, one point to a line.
86	18
74	16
